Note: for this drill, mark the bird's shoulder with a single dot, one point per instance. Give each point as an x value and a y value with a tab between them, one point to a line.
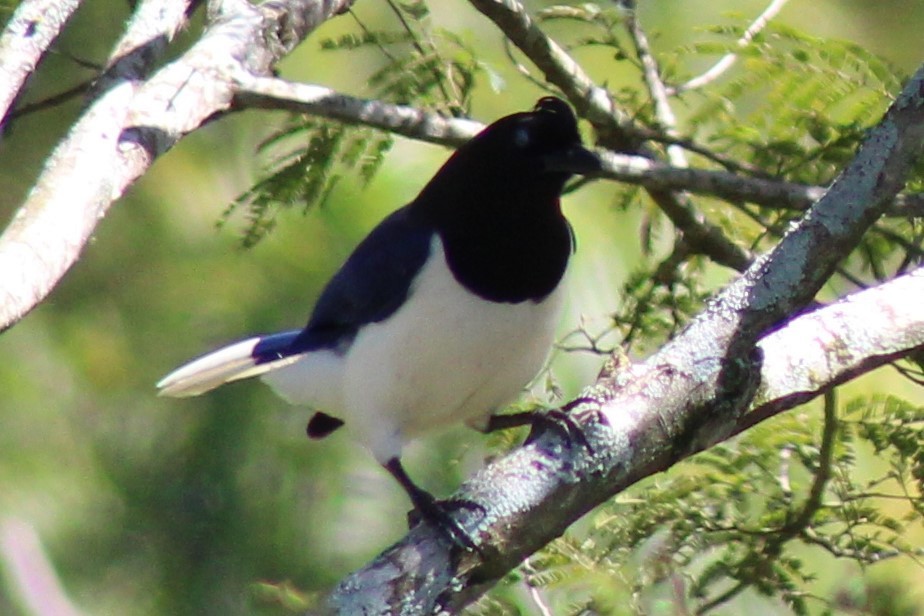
373	282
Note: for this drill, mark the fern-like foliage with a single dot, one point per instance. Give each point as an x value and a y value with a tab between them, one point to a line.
794	108
797	106
423	65
315	154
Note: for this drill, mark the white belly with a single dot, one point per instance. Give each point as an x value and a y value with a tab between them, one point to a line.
444	357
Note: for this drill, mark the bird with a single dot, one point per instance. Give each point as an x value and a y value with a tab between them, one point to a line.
443	313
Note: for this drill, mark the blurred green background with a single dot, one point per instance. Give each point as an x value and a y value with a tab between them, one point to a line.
146	505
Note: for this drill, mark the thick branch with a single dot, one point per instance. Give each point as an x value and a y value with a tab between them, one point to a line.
534	493
132	123
150	30
717	347
47	233
690	395
825	348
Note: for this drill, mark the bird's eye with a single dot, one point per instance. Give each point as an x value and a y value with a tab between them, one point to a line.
521	137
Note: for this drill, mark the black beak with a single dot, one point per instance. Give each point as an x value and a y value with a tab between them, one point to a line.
576	159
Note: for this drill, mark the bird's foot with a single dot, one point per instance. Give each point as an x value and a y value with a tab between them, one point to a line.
560	421
439	514
429	510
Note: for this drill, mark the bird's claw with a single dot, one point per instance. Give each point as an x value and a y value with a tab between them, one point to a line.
438	514
563	423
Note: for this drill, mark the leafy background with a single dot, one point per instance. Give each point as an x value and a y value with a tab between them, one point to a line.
220	504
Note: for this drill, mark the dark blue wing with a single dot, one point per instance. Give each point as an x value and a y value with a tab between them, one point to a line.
371	285
274	347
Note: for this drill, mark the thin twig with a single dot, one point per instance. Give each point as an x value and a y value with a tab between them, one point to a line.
656	88
133	121
912	249
801	522
822	475
96	67
51	101
440	79
850	277
689	144
362	26
913	375
726	61
864	556
533	591
725	597
521	68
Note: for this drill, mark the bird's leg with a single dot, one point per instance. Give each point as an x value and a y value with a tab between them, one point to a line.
512	420
428	508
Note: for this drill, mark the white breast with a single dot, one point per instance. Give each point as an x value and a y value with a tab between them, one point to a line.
446	356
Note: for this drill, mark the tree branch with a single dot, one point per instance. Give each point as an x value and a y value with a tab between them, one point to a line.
26	38
259	92
48	103
638	420
693	393
134	121
591	101
729	59
803	360
255	91
656	88
613	126
151	28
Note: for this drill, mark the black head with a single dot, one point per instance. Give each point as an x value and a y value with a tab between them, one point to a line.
533	152
496	203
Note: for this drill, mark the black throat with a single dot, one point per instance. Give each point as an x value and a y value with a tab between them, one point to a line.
505	244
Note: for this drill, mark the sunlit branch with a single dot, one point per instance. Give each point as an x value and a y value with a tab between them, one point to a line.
26	38
273	93
134	120
656	88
